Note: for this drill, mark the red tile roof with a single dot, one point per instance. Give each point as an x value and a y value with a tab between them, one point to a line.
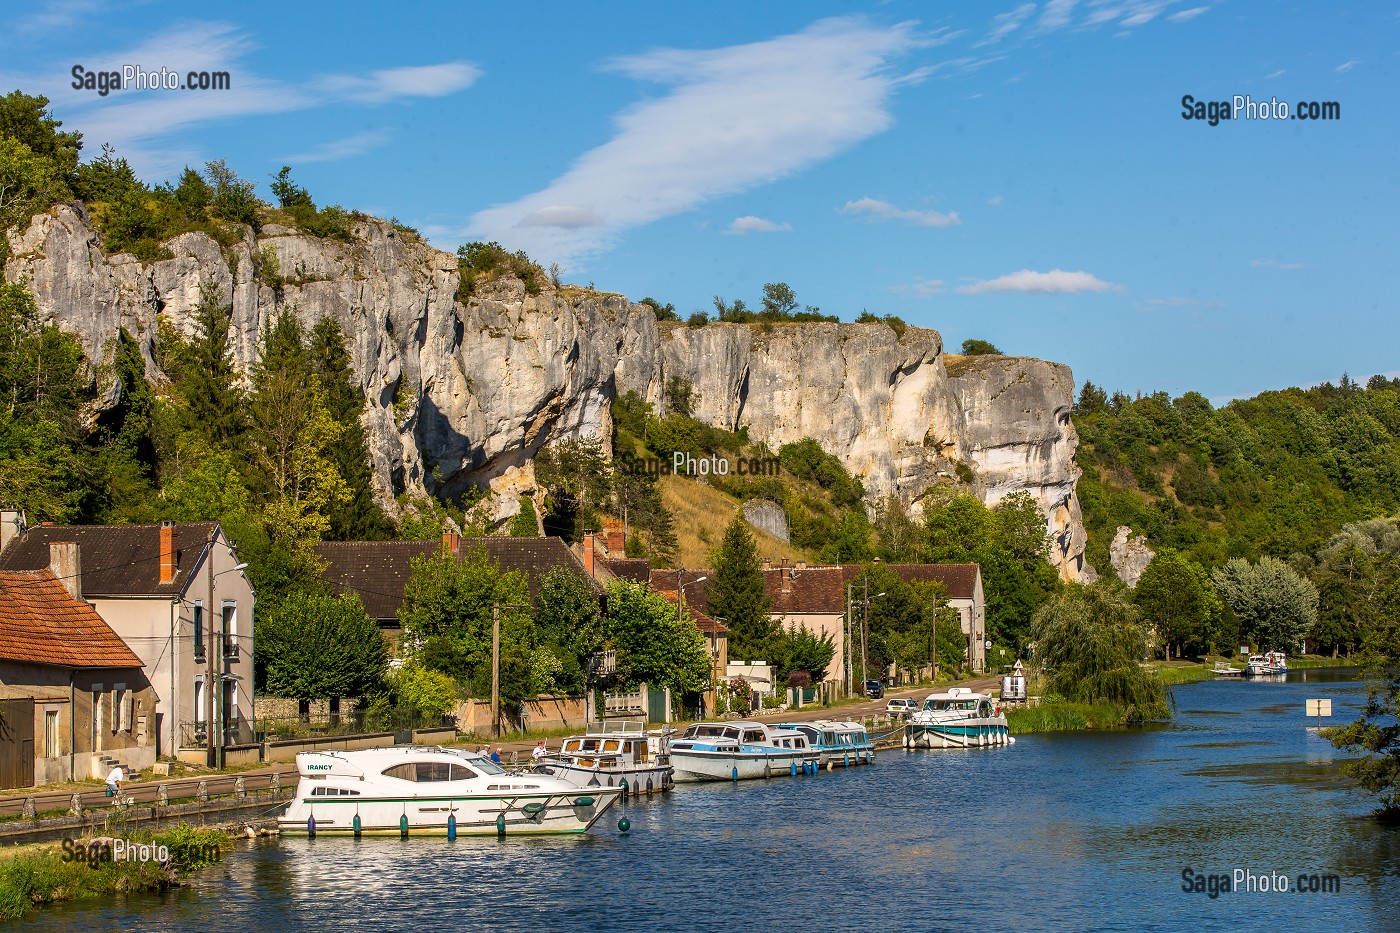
703	622
817	589
117	560
41	623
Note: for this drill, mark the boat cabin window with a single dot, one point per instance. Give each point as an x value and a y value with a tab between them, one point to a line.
423	772
611	745
572	745
334	792
755	735
710	731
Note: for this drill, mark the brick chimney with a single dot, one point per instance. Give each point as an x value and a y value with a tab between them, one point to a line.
451	542
65	564
589	555
167	552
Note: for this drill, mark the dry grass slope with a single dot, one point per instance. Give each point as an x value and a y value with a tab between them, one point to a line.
701	514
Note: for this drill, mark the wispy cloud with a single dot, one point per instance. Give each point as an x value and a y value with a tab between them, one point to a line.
1181	16
1274	264
920	287
1346	66
1274	74
57	14
142	123
1056	281
339	149
751	224
884	210
735	117
1056	14
995	200
1004	24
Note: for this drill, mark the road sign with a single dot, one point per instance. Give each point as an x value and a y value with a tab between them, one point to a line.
1319	708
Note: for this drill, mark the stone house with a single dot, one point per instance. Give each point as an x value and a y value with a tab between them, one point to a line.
74	698
177	595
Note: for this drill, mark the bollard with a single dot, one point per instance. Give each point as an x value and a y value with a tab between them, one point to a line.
203	793
75	806
163	795
30	813
239	788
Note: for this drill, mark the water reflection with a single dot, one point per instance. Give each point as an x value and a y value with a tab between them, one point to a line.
1085	831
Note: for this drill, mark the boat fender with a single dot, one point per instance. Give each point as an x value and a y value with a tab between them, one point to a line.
500	824
650	788
830	766
623	785
792	770
767	770
403	826
451	827
734	773
846	760
624	825
311	826
356	824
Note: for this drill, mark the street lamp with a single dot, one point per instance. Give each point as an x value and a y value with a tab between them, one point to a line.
864	627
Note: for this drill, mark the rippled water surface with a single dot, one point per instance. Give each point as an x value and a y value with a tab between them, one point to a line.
1067	832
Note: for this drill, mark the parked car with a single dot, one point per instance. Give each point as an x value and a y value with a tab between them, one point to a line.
901	706
875	690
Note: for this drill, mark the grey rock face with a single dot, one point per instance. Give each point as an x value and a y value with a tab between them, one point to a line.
768	516
463	394
1129	555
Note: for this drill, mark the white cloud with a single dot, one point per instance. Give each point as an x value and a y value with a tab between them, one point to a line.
995	200
920	287
139	123
1056	281
339	149
1346	66
884	210
1056	14
751	224
1274	264
1182	16
57	14
735	117
1004	24
1274	74
566	216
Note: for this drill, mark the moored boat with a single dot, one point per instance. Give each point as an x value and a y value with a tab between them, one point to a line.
1267	664
837	742
422	790
957	718
737	751
1222	669
610	754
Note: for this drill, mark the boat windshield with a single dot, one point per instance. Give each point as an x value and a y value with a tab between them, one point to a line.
933	704
486	766
711	731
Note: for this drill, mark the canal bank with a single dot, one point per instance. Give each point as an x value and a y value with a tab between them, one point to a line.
1069	831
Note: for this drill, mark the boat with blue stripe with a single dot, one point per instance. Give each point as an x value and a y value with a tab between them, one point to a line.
738	751
957	718
837	742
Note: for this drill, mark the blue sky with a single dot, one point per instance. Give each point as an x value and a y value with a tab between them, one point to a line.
1018	173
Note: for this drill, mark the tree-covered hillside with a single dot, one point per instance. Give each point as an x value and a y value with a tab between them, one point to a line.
1278	474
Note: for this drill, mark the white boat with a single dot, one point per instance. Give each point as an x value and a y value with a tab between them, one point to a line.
1222	669
610	754
1266	664
837	742
420	790
957	718
737	751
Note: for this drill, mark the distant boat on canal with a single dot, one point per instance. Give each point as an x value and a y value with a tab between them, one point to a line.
1268	664
957	718
837	742
738	751
611	754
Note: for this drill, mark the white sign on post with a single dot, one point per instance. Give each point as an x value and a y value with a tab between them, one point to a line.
1319	708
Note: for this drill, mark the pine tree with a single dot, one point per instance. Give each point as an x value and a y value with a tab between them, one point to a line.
205	377
736	595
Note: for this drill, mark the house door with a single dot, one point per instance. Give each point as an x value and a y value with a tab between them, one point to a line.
16	743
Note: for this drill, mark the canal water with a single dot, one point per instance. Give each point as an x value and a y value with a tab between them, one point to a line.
1061	832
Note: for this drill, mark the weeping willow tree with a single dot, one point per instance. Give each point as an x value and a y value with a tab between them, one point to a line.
1089	642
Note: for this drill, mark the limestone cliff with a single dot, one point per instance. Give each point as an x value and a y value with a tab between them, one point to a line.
463	394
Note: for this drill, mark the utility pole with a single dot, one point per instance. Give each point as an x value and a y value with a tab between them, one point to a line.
846	644
496	670
864	632
210	684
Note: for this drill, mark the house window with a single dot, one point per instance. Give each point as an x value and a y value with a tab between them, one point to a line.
51	734
199	700
118	706
97	707
230	610
198	628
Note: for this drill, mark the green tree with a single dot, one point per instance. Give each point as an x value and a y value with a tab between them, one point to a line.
1353	574
288	193
313	646
778	300
567	614
429	693
232	198
979	348
1275	606
1374	734
805	651
1089	642
736	594
578	479
525	523
653	645
1176	598
205	379
447	618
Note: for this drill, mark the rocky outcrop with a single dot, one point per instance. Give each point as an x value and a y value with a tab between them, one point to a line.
463	394
767	516
1129	555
